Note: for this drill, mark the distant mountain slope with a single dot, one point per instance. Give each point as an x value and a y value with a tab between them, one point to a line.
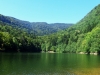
38	28
82	37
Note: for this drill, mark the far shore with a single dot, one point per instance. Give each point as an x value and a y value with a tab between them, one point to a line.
95	53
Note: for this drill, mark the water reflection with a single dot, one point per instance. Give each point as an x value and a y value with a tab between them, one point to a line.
48	63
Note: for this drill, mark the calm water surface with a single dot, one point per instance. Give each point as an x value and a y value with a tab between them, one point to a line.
49	64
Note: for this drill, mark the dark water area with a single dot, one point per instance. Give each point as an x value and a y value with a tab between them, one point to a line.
49	64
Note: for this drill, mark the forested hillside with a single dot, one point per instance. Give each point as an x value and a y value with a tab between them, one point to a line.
15	39
17	35
82	37
38	28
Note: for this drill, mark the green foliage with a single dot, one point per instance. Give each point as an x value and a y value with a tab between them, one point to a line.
81	37
16	39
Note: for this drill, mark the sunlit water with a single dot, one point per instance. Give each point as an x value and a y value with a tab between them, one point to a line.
49	64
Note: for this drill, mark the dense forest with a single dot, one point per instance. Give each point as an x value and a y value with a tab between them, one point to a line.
14	39
23	36
83	37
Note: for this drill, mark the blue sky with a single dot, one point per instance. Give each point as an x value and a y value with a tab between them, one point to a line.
50	11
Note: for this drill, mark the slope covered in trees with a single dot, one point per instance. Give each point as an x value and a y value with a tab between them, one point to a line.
14	39
17	35
38	28
82	37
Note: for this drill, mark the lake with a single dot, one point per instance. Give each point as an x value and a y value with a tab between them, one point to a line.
49	64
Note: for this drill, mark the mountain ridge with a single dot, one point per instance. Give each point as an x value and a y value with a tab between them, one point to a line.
39	28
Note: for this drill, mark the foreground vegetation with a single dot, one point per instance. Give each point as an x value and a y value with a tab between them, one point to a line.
15	39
